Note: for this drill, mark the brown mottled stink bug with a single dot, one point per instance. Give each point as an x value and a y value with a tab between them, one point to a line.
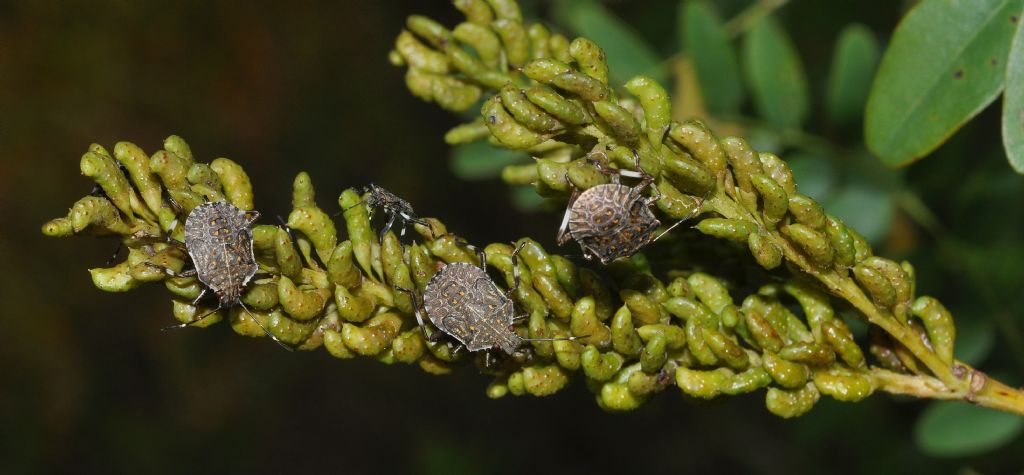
463	302
396	208
218	239
612	220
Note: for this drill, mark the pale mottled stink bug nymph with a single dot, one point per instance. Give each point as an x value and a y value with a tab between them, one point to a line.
218	239
462	301
612	220
396	208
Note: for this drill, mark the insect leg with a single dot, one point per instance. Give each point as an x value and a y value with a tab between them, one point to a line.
171	272
483	256
605	169
202	293
564	338
387	227
416	311
421	222
265	330
251	216
117	251
193	321
563	235
515	270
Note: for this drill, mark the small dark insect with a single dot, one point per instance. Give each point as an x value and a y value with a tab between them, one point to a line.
395	207
463	302
612	220
218	239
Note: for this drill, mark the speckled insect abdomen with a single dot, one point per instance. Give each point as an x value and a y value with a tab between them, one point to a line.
218	238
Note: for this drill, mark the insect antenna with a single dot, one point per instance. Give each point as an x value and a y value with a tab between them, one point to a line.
350	207
563	338
295	244
265	330
692	215
191	322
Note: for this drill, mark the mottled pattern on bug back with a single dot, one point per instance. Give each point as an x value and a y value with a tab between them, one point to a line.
611	223
381	198
219	241
462	300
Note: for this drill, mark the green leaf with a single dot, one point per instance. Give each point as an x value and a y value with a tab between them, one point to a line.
945	64
853	66
625	50
775	75
1013	100
481	160
958	429
703	37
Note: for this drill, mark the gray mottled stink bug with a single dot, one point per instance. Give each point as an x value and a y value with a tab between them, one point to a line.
218	239
462	301
612	220
396	208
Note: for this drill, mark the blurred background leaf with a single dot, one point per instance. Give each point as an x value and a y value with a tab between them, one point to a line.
626	52
952	429
708	45
944	65
306	86
853	67
481	161
775	75
1013	101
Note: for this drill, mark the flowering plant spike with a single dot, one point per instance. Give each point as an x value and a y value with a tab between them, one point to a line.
641	331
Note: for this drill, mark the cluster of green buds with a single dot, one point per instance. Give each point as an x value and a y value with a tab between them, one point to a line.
641	335
550	97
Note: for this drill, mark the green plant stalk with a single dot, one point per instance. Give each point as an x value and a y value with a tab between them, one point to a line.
747	201
972	385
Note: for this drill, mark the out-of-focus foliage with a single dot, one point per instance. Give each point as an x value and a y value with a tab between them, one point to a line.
947	61
302	86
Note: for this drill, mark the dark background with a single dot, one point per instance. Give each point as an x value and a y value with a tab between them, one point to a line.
90	384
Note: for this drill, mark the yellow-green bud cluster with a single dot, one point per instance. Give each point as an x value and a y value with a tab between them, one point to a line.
317	288
550	97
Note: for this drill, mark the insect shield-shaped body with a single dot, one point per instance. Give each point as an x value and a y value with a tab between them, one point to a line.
218	239
611	220
462	301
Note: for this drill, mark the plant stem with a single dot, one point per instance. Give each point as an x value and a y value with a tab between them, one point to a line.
963	383
913	385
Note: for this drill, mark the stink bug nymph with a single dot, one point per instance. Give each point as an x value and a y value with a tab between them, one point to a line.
612	220
218	239
462	301
396	208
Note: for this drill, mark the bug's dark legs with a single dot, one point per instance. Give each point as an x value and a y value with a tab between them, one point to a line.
117	251
193	321
386	228
416	311
563	235
515	270
265	330
202	293
171	272
421	222
483	256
